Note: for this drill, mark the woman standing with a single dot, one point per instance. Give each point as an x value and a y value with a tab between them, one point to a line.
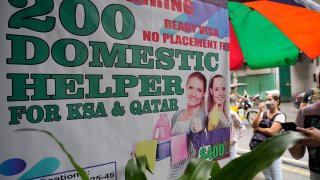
273	114
191	119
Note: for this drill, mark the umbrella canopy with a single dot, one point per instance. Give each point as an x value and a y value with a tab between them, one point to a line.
236	56
271	34
301	25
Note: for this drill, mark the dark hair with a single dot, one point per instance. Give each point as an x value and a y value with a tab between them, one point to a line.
277	98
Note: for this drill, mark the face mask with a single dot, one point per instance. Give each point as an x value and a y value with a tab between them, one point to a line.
269	104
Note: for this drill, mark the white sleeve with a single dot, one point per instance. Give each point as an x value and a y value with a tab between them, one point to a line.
281	118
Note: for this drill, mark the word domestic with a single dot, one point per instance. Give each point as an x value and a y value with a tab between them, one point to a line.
142	57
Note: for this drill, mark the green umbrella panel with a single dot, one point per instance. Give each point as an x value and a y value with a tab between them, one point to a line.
262	43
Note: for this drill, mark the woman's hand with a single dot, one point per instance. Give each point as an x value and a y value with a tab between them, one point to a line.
262	106
255	123
196	125
313	136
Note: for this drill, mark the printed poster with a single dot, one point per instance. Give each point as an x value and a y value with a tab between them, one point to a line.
109	79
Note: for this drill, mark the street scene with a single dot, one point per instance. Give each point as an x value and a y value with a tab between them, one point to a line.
292	169
156	89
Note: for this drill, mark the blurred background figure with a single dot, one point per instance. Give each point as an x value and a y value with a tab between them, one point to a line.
237	128
313	94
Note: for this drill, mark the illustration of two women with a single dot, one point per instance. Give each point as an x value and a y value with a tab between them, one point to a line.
193	118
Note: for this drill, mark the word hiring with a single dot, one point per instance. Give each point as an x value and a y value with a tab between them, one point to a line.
185	6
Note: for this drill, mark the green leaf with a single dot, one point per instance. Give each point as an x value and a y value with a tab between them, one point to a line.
134	170
215	169
129	169
248	165
80	170
197	169
143	163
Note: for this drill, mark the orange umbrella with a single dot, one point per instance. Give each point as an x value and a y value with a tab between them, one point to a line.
300	25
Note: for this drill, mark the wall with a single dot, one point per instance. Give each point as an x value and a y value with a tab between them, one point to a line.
302	74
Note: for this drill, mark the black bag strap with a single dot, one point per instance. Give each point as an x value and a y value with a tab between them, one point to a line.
264	116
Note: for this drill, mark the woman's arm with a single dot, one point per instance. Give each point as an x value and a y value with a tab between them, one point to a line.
297	151
273	130
275	127
256	121
237	121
